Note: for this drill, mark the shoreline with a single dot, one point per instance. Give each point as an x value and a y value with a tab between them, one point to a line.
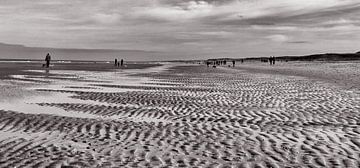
7	69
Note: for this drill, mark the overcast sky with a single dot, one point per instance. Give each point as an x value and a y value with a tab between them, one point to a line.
186	28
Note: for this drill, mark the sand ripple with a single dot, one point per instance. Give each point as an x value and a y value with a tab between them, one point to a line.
192	116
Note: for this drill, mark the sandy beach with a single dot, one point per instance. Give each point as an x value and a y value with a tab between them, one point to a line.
295	114
342	73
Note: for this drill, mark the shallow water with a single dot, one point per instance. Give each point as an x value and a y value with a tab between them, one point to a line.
69	80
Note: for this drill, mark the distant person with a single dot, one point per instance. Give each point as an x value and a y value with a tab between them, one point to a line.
233	62
207	63
116	62
242	60
48	59
270	60
121	62
273	60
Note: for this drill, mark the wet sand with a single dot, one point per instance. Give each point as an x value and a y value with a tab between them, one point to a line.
180	116
13	68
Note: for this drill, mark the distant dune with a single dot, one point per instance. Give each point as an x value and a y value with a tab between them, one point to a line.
314	57
317	57
12	51
324	57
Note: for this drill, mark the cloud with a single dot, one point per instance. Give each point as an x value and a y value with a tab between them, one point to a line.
299	42
215	33
103	18
180	12
280	38
243	11
340	21
274	27
231	26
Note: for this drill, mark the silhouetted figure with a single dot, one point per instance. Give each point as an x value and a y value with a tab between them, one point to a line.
47	59
270	60
121	62
207	63
233	63
242	60
224	62
116	62
273	60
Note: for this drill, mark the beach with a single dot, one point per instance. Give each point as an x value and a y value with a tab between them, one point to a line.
292	114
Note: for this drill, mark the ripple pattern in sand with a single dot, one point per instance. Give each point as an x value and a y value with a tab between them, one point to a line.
193	116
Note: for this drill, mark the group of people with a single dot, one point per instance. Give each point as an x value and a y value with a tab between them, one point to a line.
216	62
272	60
219	62
48	59
119	63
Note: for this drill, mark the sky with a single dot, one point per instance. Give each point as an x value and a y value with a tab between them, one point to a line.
186	29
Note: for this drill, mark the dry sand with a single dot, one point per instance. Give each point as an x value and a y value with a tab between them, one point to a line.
345	74
183	116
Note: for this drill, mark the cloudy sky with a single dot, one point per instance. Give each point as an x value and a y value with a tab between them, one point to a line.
186	29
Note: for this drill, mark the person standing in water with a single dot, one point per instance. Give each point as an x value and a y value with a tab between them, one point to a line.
121	62
233	63
47	59
116	62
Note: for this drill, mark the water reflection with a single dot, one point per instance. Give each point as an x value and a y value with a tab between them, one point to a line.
83	81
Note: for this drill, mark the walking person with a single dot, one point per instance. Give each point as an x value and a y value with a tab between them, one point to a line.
116	62
233	63
121	62
47	59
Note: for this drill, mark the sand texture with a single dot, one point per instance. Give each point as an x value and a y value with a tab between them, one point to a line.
344	74
184	116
